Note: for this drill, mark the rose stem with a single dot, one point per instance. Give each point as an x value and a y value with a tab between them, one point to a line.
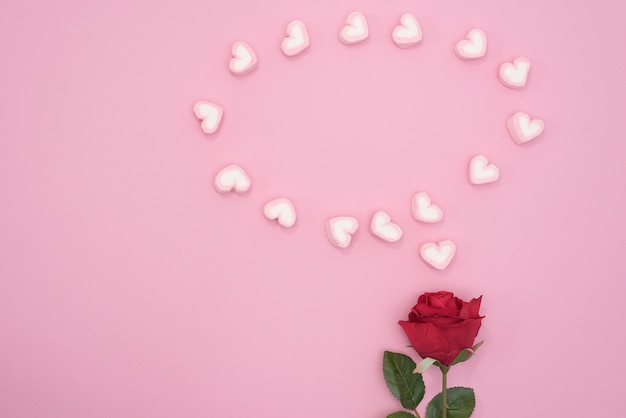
444	404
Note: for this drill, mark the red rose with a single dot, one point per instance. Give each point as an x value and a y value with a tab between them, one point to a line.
441	325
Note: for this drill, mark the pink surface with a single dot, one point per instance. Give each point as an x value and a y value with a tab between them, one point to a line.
130	288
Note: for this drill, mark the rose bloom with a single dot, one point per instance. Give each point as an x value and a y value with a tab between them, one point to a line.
441	325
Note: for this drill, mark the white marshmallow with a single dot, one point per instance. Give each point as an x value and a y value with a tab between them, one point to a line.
515	74
382	227
232	178
244	59
474	46
481	172
438	255
423	210
297	39
340	230
210	114
282	210
408	32
522	129
355	29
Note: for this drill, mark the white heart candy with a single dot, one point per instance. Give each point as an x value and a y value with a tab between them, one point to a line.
210	114
282	210
514	75
340	230
355	29
297	39
383	228
243	60
481	172
522	129
423	210
473	47
408	32
438	255
232	178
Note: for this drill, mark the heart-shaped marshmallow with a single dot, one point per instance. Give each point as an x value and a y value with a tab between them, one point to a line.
355	29
340	230
297	39
438	255
408	32
522	128
210	114
232	178
383	228
473	46
515	74
481	172
243	60
423	210
282	210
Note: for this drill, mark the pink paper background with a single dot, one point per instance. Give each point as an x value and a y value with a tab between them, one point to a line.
129	288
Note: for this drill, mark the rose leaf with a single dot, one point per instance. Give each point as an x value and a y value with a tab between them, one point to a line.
401	414
407	387
461	403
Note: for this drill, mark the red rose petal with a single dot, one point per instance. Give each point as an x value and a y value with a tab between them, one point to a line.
470	309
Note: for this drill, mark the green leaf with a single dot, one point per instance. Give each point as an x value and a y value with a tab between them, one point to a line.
401	414
466	354
461	403
407	387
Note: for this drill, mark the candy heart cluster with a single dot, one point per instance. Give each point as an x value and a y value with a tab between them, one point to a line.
340	230
515	75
